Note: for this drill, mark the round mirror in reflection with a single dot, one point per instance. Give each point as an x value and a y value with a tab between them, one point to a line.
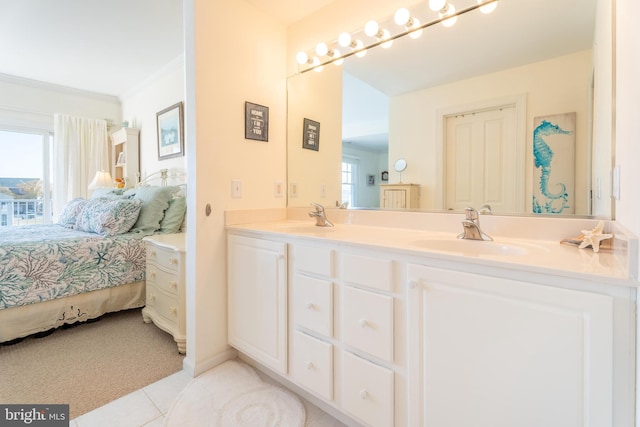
400	165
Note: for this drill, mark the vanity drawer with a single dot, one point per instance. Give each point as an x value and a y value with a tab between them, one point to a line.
312	364
367	391
368	271
314	260
367	322
313	304
168	282
163	257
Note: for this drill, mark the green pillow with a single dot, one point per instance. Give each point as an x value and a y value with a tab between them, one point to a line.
155	201
173	216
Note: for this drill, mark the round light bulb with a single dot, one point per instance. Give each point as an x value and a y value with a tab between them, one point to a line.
322	49
487	8
386	35
371	28
450	11
402	16
344	39
359	45
301	58
335	55
314	63
416	34
437	5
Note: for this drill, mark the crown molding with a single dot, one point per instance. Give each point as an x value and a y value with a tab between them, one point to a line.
175	64
37	84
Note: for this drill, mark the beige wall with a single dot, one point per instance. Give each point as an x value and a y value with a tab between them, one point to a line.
315	174
160	91
627	135
556	86
234	54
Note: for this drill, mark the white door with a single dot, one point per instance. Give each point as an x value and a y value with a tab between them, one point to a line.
505	353
481	165
257	292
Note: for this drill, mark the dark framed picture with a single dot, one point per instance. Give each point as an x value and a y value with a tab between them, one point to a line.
170	132
311	134
384	176
256	122
371	180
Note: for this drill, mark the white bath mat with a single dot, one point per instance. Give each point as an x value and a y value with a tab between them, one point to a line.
233	395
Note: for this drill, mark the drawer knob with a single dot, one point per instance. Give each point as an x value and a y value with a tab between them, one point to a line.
310	306
152	254
173	310
152	298
363	394
173	285
174	261
363	323
309	365
152	275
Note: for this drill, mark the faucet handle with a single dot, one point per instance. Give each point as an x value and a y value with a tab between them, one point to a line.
471	214
318	206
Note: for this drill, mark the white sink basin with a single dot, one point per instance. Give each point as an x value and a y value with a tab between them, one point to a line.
471	247
303	228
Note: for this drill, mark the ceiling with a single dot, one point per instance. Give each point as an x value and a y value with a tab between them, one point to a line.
112	47
108	47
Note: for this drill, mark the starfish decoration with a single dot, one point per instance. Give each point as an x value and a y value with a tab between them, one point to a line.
594	237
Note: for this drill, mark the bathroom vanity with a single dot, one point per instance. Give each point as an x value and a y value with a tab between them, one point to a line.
413	327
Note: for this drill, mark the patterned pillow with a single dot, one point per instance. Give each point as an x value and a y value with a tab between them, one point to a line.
70	212
109	216
109	193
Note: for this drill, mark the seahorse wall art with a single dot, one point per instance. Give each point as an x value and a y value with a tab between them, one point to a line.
551	199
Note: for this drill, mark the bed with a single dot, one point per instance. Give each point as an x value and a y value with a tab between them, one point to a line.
90	263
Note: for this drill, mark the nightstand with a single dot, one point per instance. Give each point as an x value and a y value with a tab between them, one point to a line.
165	288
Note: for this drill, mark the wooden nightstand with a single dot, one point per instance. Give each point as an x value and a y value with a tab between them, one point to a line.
165	289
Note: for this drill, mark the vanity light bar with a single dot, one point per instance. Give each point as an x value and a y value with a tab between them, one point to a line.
315	64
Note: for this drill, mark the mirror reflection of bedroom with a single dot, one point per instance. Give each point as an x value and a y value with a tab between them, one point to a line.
92	200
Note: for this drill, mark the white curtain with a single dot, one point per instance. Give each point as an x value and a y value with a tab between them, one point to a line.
81	148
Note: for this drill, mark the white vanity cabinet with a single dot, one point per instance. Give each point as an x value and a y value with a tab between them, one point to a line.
487	351
257	297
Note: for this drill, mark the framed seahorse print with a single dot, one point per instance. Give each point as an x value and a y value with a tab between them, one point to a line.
554	149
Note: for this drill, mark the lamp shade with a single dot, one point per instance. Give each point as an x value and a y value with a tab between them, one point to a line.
101	180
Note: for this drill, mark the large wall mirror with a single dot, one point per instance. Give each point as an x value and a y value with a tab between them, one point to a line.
510	109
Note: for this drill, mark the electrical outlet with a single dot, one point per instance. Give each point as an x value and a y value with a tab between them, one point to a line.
293	189
278	189
236	189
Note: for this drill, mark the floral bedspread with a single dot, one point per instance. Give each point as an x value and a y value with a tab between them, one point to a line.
44	262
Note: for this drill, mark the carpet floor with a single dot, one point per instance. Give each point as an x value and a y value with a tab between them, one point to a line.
88	365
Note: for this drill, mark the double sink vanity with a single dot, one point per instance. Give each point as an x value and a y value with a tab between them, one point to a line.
387	319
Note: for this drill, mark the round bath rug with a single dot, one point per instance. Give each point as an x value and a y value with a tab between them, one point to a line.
233	395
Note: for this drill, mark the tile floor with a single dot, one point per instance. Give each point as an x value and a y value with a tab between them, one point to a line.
148	406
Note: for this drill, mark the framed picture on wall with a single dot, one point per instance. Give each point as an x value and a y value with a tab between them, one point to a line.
256	122
170	132
371	180
311	135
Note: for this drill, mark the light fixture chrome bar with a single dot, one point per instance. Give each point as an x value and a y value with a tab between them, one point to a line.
401	34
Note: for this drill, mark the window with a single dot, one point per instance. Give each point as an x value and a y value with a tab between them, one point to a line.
25	176
349	174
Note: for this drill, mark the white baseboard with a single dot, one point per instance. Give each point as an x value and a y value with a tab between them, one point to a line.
196	368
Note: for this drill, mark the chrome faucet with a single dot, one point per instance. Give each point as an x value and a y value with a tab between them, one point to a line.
320	216
471	226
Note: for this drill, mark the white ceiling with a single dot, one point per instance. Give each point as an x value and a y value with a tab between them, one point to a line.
111	47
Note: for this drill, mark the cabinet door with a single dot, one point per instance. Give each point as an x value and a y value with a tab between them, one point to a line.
258	299
503	353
